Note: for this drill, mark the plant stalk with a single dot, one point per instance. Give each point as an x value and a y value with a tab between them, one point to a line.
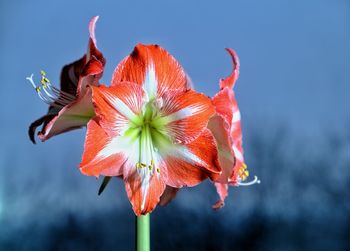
143	233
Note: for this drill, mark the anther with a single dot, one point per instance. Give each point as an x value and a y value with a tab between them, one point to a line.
243	173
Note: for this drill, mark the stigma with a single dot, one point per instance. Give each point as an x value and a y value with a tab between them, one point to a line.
49	93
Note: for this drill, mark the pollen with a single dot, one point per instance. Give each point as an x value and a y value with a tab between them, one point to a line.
151	166
243	173
44	80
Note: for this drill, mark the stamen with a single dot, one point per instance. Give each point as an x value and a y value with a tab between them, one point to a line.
50	94
243	174
255	181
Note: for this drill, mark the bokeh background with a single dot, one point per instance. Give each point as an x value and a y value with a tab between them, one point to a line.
294	96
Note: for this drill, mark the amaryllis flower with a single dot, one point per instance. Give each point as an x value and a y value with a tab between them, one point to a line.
70	106
150	129
226	128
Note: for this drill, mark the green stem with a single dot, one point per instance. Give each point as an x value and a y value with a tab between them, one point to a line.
143	233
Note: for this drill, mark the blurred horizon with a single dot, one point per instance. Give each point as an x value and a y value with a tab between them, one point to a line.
293	93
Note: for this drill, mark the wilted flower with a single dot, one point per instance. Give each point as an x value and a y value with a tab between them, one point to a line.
70	106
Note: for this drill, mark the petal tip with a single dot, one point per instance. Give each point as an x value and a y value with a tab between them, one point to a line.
218	205
92	26
231	79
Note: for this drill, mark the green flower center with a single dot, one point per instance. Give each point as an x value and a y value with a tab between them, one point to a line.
149	129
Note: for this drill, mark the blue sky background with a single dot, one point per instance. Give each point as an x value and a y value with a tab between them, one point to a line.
293	93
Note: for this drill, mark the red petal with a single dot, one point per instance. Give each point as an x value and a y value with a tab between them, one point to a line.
72	116
116	105
187	114
168	72
222	190
193	163
168	195
96	140
144	198
90	75
226	105
230	80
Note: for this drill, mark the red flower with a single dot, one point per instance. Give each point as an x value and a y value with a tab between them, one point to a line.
150	129
226	128
70	107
